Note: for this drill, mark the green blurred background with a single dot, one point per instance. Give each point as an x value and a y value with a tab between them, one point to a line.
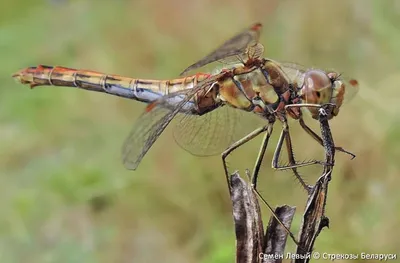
66	197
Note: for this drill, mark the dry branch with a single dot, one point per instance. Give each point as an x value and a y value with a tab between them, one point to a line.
251	243
276	236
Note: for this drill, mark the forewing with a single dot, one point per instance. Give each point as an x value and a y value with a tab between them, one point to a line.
233	47
254	51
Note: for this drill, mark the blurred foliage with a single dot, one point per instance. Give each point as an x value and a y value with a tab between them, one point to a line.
64	194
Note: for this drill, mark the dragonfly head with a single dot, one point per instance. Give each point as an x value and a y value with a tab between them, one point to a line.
320	87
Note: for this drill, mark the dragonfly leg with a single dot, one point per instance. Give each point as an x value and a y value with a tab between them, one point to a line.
285	136
236	145
276	217
261	154
254	176
319	139
311	132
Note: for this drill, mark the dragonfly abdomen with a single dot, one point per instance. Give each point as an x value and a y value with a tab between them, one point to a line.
138	89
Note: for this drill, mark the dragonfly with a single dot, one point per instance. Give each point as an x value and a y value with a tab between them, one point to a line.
208	107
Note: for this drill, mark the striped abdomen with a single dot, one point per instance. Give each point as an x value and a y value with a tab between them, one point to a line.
137	89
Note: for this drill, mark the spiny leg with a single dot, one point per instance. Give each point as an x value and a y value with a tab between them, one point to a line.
308	129
292	162
261	154
237	144
287	230
319	139
254	176
276	217
272	210
285	136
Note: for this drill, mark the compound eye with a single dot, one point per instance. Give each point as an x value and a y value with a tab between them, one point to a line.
317	87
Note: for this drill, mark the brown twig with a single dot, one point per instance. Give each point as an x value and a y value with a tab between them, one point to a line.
276	236
248	222
251	243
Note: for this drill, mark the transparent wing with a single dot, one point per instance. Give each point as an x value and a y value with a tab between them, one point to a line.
211	133
294	71
234	47
155	119
143	135
254	51
351	88
293	66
